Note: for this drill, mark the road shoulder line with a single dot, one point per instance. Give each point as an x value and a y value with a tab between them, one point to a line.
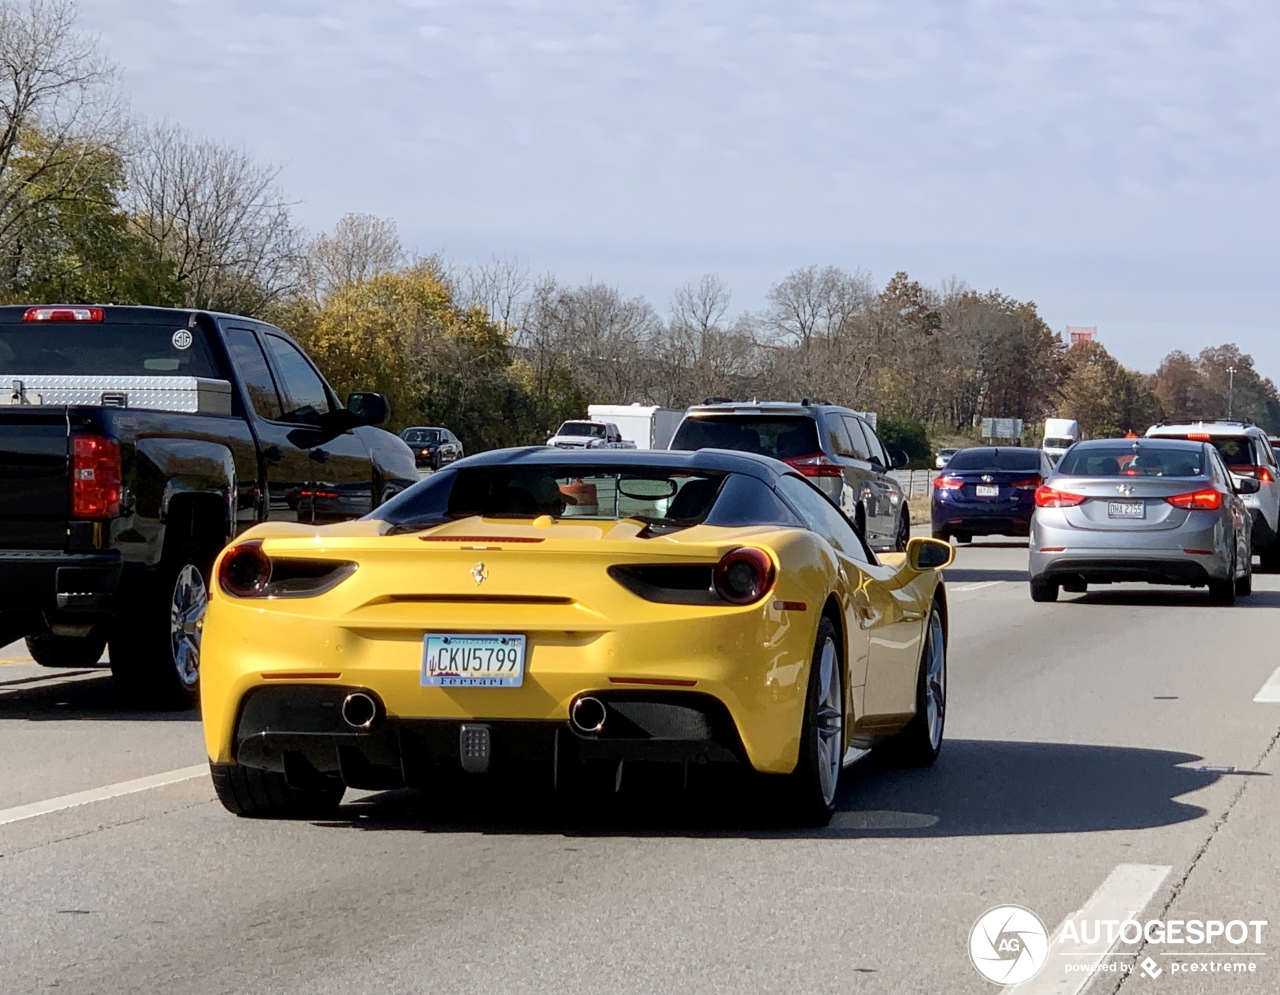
1270	693
78	798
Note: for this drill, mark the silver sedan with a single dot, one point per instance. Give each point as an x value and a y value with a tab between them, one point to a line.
1159	511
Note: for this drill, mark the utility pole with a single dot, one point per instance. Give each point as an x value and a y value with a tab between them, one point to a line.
1231	388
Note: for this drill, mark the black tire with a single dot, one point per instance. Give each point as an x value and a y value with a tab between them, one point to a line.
1244	585
809	798
1075	588
1223	592
265	794
144	664
920	741
1269	558
903	535
1043	590
77	652
942	534
964	537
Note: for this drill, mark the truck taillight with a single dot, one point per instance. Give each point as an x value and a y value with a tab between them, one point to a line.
95	477
63	314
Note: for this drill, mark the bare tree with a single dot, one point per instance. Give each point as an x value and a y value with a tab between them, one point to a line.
61	116
216	216
500	287
360	247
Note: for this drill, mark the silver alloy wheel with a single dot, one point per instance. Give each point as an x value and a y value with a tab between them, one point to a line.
186	613
935	680
829	726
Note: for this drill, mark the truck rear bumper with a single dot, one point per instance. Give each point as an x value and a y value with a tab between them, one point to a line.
48	580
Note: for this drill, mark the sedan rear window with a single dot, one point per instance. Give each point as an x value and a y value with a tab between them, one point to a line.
1130	461
995	459
781	437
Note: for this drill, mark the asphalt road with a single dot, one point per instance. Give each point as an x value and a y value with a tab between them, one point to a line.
1104	753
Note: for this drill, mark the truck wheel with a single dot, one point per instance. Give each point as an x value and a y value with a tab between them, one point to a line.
155	650
49	650
265	794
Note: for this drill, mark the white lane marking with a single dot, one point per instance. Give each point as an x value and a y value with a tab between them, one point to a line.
975	587
30	811
1270	693
1124	894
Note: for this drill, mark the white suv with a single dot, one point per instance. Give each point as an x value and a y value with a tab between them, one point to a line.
1247	452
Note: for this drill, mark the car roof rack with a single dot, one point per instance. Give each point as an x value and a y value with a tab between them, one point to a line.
717	400
807	401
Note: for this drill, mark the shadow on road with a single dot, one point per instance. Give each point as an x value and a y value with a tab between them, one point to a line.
74	695
963	576
977	788
1166	597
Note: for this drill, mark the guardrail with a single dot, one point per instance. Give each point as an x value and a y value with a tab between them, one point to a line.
915	483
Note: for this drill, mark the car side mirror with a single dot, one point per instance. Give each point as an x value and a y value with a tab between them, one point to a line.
899	459
368	407
924	554
1248	485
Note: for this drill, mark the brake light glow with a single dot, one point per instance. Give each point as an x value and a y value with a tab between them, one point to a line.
63	314
1199	436
96	479
817	465
1030	484
1048	497
1207	499
1261	473
947	484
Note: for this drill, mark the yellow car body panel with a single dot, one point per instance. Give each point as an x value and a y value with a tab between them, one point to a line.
585	632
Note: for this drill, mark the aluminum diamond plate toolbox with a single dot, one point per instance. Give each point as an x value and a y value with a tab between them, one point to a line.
188	395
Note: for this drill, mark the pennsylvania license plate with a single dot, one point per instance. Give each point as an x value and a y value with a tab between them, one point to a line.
987	490
465	660
1126	509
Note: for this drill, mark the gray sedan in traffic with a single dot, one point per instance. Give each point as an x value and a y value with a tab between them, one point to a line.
1147	510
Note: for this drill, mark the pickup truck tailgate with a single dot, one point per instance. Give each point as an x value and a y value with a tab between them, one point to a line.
34	483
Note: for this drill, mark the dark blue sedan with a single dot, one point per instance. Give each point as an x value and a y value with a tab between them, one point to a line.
988	491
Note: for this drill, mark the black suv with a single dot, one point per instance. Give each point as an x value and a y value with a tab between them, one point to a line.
835	446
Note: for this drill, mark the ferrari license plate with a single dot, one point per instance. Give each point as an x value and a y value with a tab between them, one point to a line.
1126	509
987	490
466	660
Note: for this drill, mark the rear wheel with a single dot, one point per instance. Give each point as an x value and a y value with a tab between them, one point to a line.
265	794
155	651
1075	588
903	535
1043	590
920	742
49	650
964	537
1223	592
811	787
1244	584
942	534
1269	558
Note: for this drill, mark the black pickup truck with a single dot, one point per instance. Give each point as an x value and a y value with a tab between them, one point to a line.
135	442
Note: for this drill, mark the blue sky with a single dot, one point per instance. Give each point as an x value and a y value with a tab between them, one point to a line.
1114	160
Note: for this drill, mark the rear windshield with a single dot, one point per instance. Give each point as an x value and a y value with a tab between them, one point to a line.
781	437
1058	443
583	428
105	349
422	435
995	459
1235	450
650	494
1124	461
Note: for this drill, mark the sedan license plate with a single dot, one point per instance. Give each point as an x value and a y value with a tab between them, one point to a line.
1126	509
465	660
987	490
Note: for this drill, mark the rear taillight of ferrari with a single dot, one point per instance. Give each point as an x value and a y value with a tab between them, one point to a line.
744	575
96	479
246	571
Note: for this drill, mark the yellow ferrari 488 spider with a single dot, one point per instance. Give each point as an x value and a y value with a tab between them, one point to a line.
537	609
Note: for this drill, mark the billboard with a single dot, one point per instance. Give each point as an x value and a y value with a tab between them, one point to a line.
1002	428
1081	333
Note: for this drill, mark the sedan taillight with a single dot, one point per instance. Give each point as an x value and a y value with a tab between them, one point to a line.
947	484
1030	484
1048	497
1203	500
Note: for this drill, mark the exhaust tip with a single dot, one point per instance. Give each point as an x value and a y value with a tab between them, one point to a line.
587	715
359	711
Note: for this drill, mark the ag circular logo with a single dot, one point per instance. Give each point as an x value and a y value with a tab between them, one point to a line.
1008	945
